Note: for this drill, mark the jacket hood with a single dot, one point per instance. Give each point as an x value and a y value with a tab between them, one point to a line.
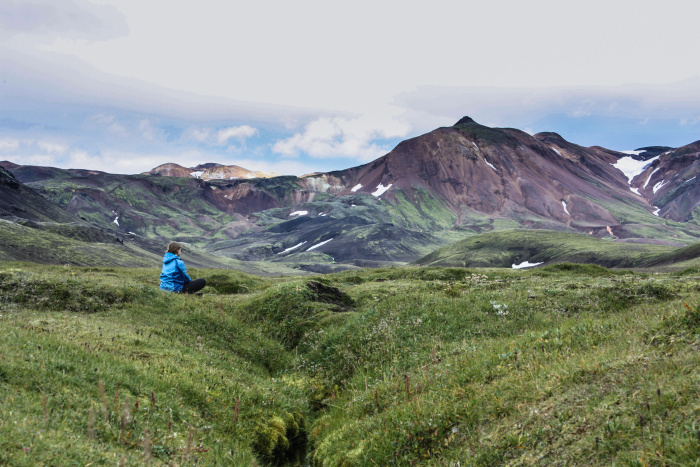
169	257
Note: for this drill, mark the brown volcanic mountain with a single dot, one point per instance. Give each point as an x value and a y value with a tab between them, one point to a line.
500	173
171	170
209	171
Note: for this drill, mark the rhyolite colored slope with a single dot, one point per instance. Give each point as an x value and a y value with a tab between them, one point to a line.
209	171
502	173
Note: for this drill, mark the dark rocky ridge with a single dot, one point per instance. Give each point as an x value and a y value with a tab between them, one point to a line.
18	201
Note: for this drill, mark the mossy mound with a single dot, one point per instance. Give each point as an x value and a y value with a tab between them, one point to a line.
290	310
29	289
683	327
281	440
232	283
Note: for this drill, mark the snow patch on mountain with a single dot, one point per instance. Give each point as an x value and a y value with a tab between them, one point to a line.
632	167
381	189
299	213
659	186
292	248
525	264
356	187
490	165
318	245
563	203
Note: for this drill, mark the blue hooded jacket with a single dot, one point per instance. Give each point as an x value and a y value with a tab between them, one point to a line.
174	273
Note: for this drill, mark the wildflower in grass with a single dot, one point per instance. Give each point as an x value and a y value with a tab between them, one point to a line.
501	309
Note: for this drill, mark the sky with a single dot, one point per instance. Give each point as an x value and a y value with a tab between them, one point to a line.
298	87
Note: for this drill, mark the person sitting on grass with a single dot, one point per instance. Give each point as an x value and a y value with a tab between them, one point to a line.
173	276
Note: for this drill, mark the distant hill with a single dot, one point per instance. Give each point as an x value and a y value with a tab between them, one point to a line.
19	202
429	191
35	229
209	171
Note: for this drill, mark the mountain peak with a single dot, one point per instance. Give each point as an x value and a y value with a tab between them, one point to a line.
464	121
549	136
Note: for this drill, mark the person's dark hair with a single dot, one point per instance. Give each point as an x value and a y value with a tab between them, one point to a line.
174	247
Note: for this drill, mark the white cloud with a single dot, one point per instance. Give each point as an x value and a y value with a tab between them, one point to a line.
200	135
28	146
147	130
427	107
117	129
240	132
83	160
8	145
43	160
221	136
60	17
51	147
689	121
343	137
110	123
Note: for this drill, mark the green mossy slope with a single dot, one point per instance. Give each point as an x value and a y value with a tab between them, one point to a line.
563	365
503	249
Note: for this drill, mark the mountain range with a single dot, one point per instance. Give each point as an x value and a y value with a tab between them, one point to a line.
428	192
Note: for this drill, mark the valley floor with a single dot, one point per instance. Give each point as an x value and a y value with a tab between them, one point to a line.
562	365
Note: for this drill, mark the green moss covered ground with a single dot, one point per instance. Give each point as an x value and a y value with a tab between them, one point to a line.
505	248
563	365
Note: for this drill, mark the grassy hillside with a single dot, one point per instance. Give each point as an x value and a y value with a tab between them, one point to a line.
503	249
151	206
562	365
79	245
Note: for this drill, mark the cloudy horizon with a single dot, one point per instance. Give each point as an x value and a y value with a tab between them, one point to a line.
294	88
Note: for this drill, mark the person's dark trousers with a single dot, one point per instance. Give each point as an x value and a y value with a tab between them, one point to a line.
194	286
